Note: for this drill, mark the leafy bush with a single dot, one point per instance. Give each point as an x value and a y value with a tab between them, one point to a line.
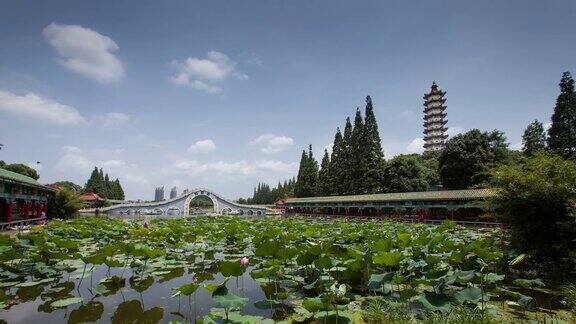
536	198
64	204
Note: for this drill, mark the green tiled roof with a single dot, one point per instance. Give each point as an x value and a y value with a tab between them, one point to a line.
469	194
17	177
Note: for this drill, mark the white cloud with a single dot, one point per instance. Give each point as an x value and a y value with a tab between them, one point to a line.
416	146
516	146
206	74
193	167
271	143
113	119
547	126
85	51
277	166
203	146
31	105
73	162
455	130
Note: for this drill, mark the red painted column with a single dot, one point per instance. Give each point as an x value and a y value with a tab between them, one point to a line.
8	212
452	214
26	210
360	210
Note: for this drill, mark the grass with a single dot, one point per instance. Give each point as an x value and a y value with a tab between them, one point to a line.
383	310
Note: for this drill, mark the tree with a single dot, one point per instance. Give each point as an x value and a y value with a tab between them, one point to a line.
534	138
347	160
70	186
64	204
537	199
119	192
307	175
337	171
405	173
466	156
373	151
358	168
22	169
562	132
324	185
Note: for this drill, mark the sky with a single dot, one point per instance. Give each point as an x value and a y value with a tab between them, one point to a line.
226	94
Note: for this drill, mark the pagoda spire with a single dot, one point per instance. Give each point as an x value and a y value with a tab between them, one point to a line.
434	119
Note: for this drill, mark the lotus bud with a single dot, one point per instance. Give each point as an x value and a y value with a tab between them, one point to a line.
244	261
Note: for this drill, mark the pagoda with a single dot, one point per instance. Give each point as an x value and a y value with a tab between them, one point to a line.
434	119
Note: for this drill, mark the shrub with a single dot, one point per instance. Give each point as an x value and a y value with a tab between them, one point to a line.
536	198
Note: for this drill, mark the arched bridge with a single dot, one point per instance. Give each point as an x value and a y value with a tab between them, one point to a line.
181	206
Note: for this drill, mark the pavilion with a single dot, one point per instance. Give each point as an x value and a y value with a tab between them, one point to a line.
22	199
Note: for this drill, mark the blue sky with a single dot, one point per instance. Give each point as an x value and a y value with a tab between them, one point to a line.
224	94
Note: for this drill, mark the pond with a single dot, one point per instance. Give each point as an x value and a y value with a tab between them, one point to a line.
247	270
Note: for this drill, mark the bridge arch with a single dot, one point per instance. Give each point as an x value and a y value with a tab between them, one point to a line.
198	193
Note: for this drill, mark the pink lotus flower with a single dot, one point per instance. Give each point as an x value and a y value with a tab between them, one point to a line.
244	261
146	225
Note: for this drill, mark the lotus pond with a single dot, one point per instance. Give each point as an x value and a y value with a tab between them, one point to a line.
259	270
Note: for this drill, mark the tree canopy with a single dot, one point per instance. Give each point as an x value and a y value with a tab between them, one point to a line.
405	173
307	175
537	199
467	155
562	132
534	138
100	184
22	169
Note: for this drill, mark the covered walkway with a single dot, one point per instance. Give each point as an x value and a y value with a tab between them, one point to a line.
22	200
467	206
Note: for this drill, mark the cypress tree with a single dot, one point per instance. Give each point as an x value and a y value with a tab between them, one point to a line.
358	146
336	171
107	187
373	150
307	175
347	160
534	138
91	184
562	133
324	185
300	189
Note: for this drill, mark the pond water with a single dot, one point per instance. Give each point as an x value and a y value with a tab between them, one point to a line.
128	303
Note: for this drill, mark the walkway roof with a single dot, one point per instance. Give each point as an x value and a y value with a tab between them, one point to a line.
468	194
9	176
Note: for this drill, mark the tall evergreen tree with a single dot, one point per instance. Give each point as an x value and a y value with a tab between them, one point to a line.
336	170
119	190
562	133
324	185
359	166
534	138
347	160
373	151
107	187
307	175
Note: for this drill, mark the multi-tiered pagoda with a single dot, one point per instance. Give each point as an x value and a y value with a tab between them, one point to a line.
434	119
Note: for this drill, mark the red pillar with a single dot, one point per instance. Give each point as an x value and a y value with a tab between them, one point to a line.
26	210
360	211
379	213
452	214
8	212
